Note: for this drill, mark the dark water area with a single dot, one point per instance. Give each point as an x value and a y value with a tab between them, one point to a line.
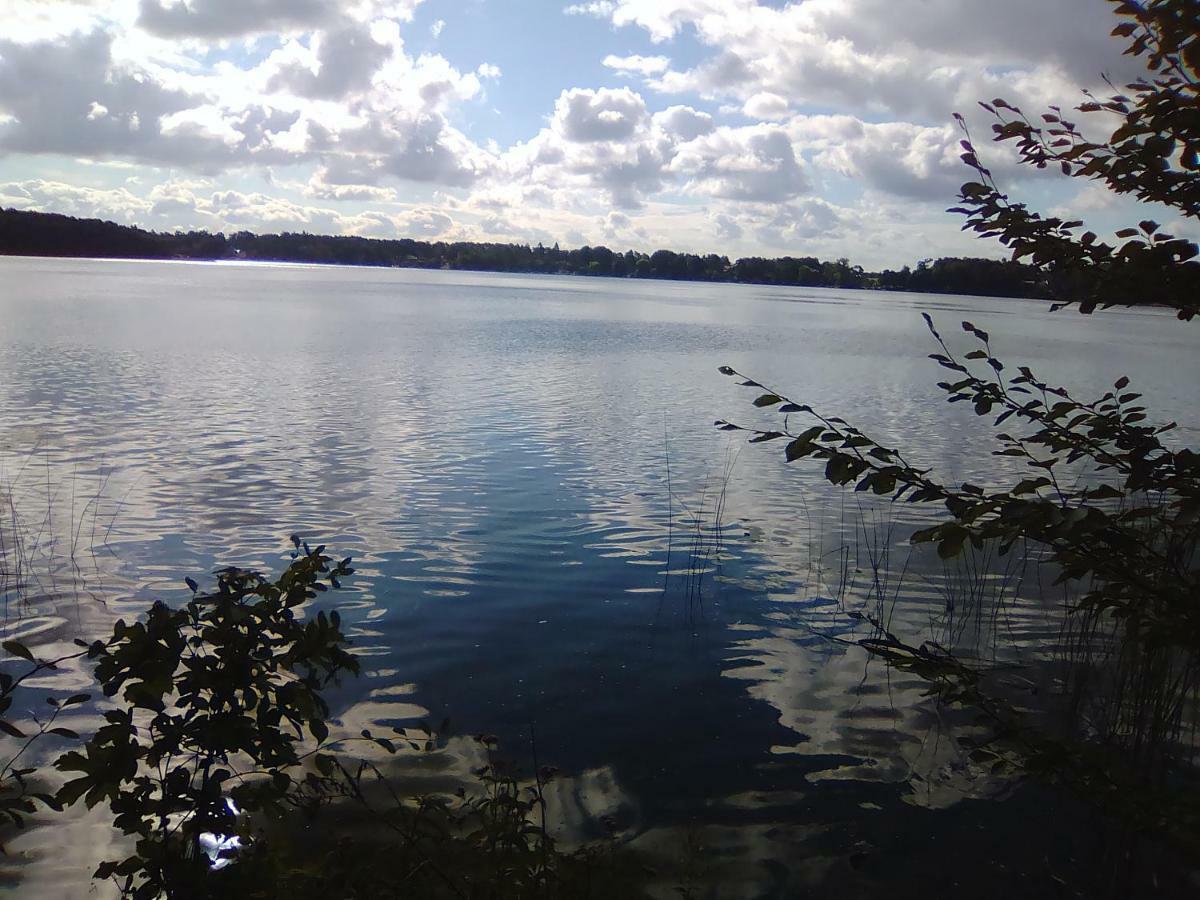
551	538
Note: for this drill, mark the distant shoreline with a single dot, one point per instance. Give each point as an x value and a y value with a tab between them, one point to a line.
51	235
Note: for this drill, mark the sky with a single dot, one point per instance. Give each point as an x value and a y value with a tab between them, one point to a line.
820	127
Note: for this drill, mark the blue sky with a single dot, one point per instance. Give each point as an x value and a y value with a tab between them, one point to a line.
820	127
530	42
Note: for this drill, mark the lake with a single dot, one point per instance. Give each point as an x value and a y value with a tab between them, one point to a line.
551	537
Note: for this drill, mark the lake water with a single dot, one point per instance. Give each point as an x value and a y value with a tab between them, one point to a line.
518	466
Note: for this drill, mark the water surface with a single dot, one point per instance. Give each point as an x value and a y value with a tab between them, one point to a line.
526	473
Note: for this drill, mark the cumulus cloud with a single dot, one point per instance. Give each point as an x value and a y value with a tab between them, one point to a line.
340	63
229	18
605	115
171	204
918	162
320	188
28	21
642	65
920	60
902	159
606	140
727	227
765	105
758	163
419	147
379	113
593	8
54	196
215	19
795	224
684	122
423	223
69	97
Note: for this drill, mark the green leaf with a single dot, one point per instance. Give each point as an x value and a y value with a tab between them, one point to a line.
319	730
951	540
105	871
804	444
16	648
884	484
768	400
950	548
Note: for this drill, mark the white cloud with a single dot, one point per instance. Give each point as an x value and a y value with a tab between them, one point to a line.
53	93
27	21
55	196
764	105
792	225
756	163
215	19
597	8
683	122
423	223
604	115
641	65
349	98
201	124
339	63
320	189
602	141
727	227
922	60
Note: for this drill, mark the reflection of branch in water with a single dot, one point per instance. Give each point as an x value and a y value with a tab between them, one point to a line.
1016	746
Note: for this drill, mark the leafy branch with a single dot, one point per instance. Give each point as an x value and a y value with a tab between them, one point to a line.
1129	528
1153	154
222	690
16	798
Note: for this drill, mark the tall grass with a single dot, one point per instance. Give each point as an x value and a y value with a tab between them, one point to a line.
1081	694
698	518
52	530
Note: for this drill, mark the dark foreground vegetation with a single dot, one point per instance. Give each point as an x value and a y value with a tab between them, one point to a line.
215	754
25	233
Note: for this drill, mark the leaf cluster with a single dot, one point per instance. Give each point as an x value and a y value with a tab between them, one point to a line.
1152	154
18	798
214	705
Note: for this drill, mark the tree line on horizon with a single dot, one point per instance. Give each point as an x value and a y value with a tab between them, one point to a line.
27	233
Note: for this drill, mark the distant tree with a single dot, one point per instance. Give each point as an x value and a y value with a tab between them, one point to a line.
41	234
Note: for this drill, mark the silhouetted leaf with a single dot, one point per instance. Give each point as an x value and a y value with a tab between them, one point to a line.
16	648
